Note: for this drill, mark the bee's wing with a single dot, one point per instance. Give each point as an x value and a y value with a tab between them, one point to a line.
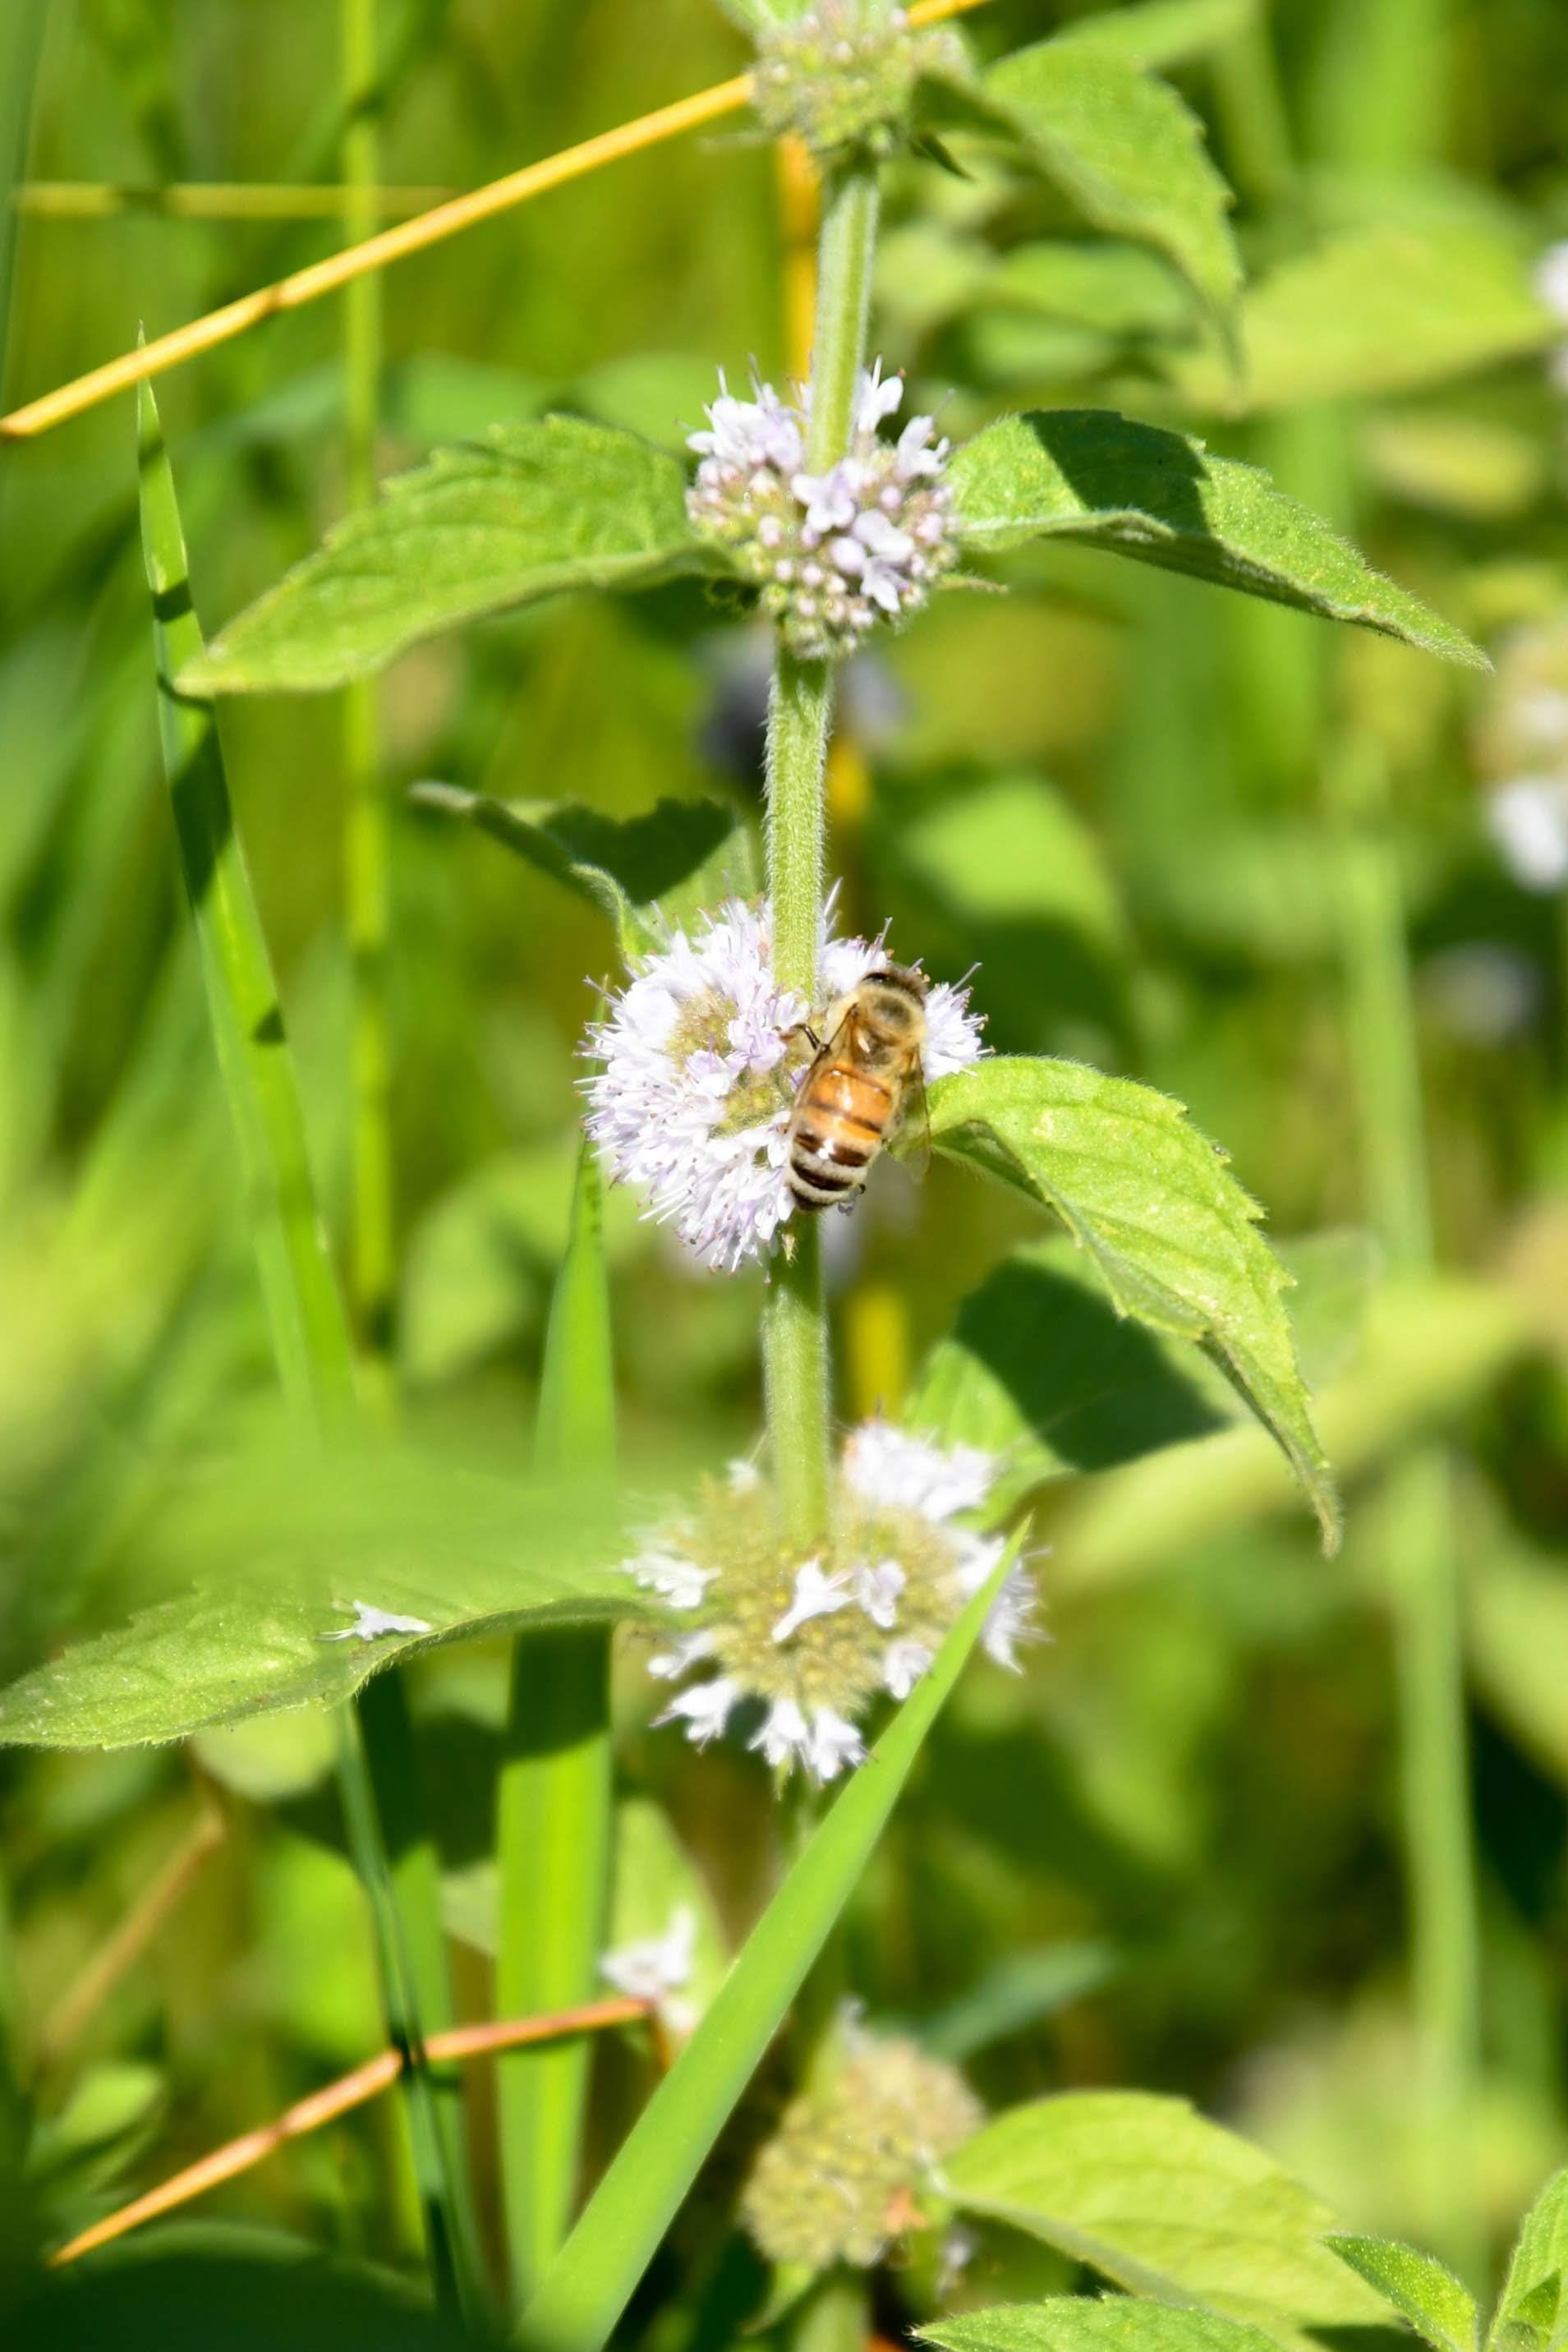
913	1131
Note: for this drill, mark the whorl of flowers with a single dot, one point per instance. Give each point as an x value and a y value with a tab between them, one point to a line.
833	553
845	2170
804	1638
699	1071
843	74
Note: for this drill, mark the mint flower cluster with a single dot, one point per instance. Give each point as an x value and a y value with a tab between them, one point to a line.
843	2174
699	1061
833	553
844	74
804	1639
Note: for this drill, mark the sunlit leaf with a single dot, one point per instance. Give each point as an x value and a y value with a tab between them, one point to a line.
534	509
1532	2308
1167	2204
1129	153
287	1557
1162	498
1430	2297
1169	1230
1078	2322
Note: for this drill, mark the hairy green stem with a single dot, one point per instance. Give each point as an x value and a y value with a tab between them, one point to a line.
794	1327
365	848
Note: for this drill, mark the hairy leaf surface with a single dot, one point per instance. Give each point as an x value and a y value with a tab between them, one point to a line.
1171	1233
291	1550
1078	2323
533	508
1167	2204
1431	2298
1162	498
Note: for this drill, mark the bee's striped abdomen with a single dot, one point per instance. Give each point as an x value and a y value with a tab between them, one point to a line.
841	1117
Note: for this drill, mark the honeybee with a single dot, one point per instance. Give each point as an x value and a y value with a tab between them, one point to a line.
864	1082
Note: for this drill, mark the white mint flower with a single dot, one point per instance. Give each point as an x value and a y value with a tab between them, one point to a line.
701	1053
1552	281
657	1969
1528	820
833	552
812	1637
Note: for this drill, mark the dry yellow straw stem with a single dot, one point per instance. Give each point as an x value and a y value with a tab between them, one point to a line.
396	244
338	2099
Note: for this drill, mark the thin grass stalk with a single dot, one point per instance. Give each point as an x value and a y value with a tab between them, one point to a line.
304	1304
1416	1523
590	2283
370	1833
366	859
556	1789
210	200
21	45
794	1324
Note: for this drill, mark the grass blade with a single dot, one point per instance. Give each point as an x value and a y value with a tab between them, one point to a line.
556	1788
588	2288
304	1304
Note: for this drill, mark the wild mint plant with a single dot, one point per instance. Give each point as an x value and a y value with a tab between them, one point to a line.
822	1602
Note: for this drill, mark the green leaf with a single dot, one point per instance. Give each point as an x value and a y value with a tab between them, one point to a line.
1162	32
1119	290
248	2289
1016	1990
1431	1347
1167	2204
304	1304
1128	152
283	1553
1431	2298
1163	499
1170	1231
1394	308
644	872
1517	1622
588	2288
1080	2323
1041	1370
534	509
1530	2311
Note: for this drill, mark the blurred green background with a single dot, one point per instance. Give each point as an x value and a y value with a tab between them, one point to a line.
1206	842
